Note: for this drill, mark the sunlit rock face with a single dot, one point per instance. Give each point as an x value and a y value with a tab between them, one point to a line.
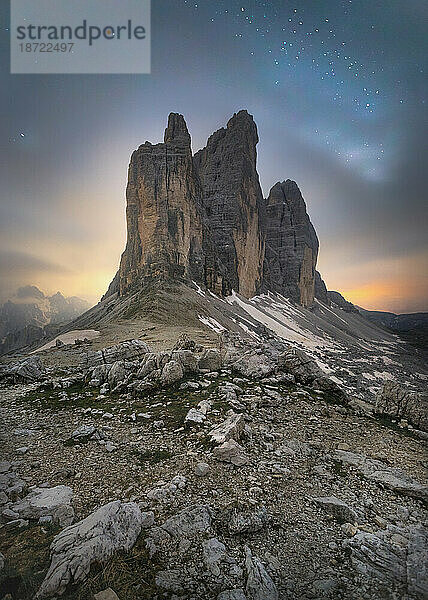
291	244
163	213
203	218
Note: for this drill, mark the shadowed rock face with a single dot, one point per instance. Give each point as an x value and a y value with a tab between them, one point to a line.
291	244
233	201
321	289
205	219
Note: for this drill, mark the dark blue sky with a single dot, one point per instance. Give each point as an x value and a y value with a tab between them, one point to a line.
337	89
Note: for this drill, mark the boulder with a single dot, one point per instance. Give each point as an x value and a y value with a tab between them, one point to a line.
214	552
171	373
83	434
194	416
24	371
107	594
337	508
398	402
189	522
129	350
395	557
210	360
232	427
113	527
254	364
389	477
231	452
202	469
41	502
170	581
248	521
259	584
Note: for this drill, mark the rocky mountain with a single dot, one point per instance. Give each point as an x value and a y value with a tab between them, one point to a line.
291	245
204	219
24	317
233	202
219	426
403	322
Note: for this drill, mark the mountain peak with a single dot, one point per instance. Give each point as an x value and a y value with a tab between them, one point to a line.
176	132
29	291
205	219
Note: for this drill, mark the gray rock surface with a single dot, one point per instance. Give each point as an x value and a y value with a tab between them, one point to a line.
291	245
397	557
232	427
259	584
231	452
189	522
339	509
26	370
204	219
233	201
377	471
214	552
107	594
128	350
397	402
237	594
111	528
42	502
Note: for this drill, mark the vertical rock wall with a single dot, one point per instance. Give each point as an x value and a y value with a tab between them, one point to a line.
205	219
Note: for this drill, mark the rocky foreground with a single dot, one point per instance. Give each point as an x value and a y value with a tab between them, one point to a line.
230	473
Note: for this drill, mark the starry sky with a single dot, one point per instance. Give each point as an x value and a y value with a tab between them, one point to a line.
337	88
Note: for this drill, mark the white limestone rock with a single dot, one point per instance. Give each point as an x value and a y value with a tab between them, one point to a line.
113	527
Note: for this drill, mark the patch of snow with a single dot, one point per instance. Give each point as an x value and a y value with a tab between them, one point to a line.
278	317
211	323
199	290
70	337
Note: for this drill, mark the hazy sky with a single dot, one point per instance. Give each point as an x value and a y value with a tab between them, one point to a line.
337	89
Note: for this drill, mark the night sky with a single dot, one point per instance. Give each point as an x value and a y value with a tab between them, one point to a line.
338	91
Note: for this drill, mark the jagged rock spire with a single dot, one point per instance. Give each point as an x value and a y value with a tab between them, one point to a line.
233	200
205	218
177	133
291	244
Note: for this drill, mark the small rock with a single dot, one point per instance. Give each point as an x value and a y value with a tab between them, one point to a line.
214	552
231	452
202	469
107	594
340	510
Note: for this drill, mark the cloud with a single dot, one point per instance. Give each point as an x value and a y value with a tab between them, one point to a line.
18	268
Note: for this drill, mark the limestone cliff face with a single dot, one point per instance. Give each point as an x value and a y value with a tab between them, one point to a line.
321	292
291	245
163	213
203	218
233	199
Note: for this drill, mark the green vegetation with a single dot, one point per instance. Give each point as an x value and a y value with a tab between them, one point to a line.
152	456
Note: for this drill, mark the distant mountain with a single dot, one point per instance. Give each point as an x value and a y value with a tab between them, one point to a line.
406	322
24	317
413	327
